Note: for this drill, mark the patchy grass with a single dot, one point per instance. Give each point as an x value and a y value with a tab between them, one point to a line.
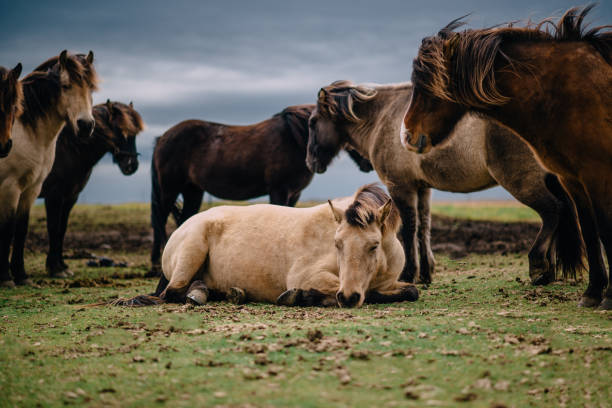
479	336
502	211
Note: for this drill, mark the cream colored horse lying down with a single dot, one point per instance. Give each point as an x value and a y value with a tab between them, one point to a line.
344	252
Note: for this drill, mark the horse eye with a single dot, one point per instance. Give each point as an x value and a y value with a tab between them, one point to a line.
66	86
339	244
373	248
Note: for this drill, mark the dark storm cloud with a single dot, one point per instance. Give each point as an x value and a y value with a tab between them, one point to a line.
238	61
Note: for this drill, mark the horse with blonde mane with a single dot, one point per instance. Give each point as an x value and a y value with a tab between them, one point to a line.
11	97
56	94
552	89
367	118
342	253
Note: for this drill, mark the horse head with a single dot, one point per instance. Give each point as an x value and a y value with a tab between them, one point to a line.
327	123
10	105
124	123
361	234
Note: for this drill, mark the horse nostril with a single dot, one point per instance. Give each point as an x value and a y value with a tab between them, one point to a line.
85	127
340	297
4	150
353	299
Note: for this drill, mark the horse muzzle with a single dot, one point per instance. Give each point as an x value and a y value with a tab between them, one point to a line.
6	148
351	300
421	145
129	166
85	127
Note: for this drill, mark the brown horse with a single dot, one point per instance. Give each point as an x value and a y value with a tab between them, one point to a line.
367	118
11	96
553	89
115	131
229	162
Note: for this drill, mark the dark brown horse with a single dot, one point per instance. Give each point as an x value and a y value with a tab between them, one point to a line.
553	89
11	96
229	162
115	132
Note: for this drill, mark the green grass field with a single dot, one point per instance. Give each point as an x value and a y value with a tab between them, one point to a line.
480	335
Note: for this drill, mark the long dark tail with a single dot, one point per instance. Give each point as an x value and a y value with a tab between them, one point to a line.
144	300
568	244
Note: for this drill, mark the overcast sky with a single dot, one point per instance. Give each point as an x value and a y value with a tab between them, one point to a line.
240	62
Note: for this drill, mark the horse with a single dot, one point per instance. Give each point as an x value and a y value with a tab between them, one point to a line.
368	117
552	89
344	252
229	162
11	96
115	132
56	94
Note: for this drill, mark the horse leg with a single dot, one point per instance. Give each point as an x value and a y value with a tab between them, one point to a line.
407	207
398	292
53	207
427	260
17	261
293	198
66	208
590	234
7	232
160	210
192	201
279	196
307	288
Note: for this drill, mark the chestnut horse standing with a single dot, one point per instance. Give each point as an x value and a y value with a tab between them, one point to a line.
56	94
554	90
368	117
11	98
116	128
229	162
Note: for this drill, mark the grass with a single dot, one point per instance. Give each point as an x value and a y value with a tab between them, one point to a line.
479	336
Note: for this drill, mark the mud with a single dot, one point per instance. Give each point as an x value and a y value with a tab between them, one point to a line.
456	237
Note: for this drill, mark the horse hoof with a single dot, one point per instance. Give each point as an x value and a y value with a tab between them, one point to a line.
61	275
288	297
587	301
411	293
24	282
236	296
606	304
7	284
198	297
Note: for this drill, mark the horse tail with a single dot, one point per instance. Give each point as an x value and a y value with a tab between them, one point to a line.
567	240
144	300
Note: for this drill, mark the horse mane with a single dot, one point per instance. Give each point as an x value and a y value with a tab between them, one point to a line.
460	66
11	94
296	118
112	115
80	71
340	96
42	87
364	208
41	91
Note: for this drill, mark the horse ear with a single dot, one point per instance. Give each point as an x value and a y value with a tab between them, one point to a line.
63	57
337	213
109	106
322	95
131	105
384	211
15	72
90	57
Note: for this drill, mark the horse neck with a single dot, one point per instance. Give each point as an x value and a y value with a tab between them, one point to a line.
386	108
94	148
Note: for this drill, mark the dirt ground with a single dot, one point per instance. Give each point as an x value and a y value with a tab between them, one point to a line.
453	236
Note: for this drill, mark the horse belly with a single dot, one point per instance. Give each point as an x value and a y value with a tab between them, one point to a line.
262	279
